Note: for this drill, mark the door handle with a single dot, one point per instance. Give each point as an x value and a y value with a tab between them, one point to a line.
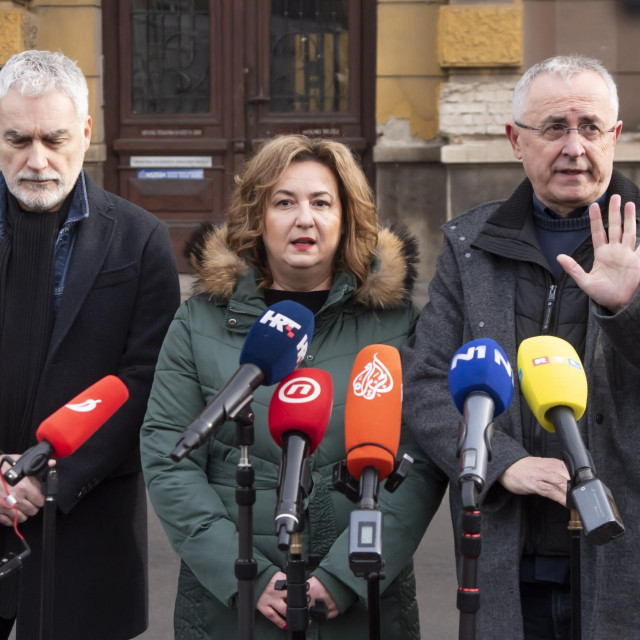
258	99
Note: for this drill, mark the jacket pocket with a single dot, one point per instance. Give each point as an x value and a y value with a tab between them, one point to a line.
116	276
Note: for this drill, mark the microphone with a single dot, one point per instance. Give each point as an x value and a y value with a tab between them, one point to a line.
299	413
373	411
276	343
373	418
481	386
66	430
554	386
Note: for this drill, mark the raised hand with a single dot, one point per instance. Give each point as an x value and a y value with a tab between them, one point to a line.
615	275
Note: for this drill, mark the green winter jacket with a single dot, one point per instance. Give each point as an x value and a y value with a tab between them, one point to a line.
195	499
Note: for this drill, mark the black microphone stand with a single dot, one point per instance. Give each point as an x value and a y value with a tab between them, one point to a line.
468	598
246	568
36	463
575	527
365	528
288	530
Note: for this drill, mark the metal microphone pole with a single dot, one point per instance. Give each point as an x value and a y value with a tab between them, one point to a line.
468	599
47	572
246	568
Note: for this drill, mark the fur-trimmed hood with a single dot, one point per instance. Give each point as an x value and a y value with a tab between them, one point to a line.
388	284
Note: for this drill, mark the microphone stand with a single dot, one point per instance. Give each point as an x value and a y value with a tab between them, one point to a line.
36	463
246	568
298	609
365	528
468	598
47	570
575	527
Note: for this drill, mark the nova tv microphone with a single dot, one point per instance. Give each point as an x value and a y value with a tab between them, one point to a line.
299	413
276	343
71	426
481	385
554	385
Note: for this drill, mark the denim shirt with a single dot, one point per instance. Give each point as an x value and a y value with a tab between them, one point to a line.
79	210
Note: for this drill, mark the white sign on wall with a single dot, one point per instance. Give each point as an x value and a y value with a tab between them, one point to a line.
165	162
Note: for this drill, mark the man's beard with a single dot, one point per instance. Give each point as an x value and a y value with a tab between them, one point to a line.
43	197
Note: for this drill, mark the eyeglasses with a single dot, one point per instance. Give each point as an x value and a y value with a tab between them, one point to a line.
554	131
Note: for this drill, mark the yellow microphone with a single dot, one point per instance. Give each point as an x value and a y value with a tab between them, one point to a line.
554	386
551	375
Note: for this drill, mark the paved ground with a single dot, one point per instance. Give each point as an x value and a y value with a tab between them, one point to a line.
434	570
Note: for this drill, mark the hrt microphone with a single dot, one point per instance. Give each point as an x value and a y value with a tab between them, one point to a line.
299	413
276	343
71	426
554	385
481	385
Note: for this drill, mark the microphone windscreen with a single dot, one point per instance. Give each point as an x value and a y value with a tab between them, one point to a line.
302	402
72	425
481	365
278	340
373	411
551	375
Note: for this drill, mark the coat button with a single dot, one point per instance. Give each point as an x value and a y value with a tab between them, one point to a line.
233	322
599	418
310	357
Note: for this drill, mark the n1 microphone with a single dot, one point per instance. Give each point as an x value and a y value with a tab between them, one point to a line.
276	343
298	417
481	385
554	386
66	430
373	411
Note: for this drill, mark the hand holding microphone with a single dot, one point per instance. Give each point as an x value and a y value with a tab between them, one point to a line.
554	385
481	385
70	427
276	343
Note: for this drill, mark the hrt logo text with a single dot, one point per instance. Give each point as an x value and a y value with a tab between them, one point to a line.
280	322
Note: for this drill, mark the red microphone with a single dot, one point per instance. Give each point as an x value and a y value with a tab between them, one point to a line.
66	430
373	412
298	417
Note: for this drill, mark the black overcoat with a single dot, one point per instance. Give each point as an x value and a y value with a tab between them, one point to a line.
120	294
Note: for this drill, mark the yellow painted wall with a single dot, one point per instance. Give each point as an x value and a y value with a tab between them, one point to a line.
407	65
421	42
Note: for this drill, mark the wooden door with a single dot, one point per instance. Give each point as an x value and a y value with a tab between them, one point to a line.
192	86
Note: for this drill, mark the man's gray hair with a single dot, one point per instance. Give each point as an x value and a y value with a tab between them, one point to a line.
35	73
564	67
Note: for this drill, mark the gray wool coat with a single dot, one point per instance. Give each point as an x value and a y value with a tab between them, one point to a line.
472	296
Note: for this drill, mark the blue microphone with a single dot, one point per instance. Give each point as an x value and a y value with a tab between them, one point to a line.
276	343
481	383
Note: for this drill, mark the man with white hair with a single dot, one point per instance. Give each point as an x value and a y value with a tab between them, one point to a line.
88	287
557	257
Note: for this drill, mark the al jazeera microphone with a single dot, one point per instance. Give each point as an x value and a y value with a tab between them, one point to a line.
66	430
299	413
481	386
373	411
554	386
372	425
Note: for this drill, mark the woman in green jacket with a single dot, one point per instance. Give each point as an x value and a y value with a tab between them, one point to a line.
301	226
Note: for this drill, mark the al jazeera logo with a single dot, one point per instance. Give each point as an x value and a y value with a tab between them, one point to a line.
373	380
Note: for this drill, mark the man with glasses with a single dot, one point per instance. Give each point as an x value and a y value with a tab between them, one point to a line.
557	257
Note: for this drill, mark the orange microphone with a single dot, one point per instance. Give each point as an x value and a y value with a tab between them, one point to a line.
374	411
66	430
